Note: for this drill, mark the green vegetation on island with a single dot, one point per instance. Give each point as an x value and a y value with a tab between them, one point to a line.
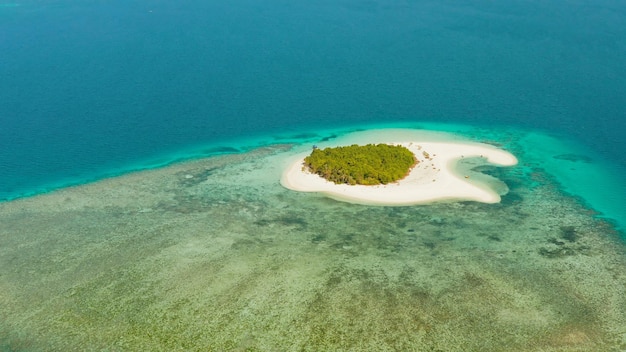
364	165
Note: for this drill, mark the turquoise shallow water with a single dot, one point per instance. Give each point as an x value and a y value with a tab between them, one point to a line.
214	254
90	90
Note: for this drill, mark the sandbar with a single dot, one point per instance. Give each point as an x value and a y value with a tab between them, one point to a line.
437	177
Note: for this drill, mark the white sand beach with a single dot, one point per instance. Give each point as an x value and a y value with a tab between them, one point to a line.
437	176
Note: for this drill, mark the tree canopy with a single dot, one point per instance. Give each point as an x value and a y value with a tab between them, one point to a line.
364	165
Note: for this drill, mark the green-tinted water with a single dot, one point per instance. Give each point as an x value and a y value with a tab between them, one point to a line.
215	255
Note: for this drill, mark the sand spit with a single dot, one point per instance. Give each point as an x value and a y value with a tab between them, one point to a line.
215	255
435	178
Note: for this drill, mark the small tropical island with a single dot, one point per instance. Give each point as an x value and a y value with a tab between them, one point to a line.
399	167
371	164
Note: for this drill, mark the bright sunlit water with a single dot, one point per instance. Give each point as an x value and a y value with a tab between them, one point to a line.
210	97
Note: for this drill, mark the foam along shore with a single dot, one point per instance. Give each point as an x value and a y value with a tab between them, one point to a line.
442	174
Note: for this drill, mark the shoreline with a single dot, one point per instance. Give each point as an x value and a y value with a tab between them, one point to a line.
434	179
578	170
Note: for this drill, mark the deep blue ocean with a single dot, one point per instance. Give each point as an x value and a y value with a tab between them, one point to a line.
91	89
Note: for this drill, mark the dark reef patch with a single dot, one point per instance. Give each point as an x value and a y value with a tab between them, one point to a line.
221	150
328	138
299	136
569	233
511	199
574	158
196	177
284	221
556	252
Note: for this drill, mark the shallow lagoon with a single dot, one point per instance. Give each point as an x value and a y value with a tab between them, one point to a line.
213	254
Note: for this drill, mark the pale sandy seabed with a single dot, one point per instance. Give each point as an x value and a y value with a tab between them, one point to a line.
214	255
